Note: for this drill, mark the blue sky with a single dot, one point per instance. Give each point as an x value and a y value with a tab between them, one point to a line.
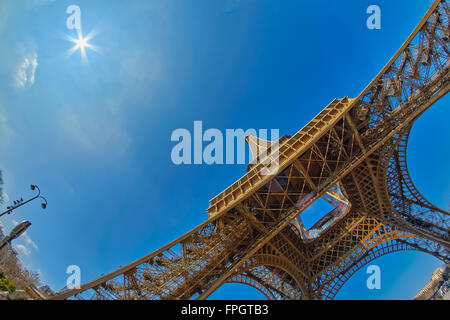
95	135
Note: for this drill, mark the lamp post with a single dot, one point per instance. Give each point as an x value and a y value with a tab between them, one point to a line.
21	202
16	232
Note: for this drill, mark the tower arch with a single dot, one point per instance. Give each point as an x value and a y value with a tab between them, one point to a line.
410	209
383	249
273	275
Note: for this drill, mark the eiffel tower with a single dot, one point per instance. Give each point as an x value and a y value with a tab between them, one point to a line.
353	155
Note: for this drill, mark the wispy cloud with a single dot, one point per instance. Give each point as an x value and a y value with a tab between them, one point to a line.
23	249
28	240
25	71
26	237
5	198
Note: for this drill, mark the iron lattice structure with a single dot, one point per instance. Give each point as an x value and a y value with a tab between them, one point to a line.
353	154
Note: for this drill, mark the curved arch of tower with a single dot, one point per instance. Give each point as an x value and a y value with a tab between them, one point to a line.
353	155
411	208
275	288
383	249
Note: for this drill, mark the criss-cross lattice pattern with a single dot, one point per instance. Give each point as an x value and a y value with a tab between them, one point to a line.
352	154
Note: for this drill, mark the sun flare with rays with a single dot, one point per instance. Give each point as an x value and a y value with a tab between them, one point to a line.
82	43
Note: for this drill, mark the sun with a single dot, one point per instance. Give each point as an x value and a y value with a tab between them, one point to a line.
82	43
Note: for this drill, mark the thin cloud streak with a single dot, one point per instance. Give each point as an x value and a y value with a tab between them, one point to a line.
24	75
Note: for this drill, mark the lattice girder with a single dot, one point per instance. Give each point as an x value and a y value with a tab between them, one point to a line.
351	142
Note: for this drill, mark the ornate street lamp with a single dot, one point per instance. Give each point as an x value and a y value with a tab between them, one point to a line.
21	202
